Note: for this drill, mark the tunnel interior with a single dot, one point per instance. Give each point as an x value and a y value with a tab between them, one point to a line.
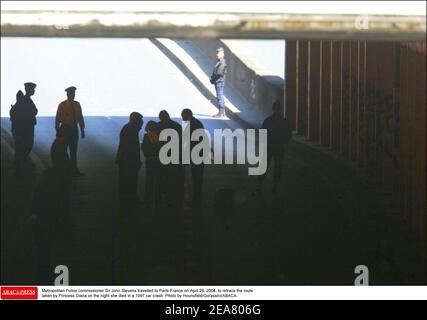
353	182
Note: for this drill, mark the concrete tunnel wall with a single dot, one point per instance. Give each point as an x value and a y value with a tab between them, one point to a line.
366	101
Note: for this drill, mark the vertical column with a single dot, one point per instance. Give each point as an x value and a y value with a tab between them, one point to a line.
388	135
354	99
362	130
412	117
346	96
291	82
325	105
379	114
419	102
314	91
422	143
404	138
302	87
371	74
397	159
336	95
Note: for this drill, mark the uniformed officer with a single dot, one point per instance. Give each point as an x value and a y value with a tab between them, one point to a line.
128	159
68	116
279	134
218	79
197	170
23	118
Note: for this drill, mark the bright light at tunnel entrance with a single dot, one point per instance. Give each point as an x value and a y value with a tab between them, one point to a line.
113	76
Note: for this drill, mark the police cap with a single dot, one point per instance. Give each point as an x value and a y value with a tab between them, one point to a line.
29	85
71	89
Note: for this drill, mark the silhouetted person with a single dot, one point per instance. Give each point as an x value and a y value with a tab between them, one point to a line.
150	147
218	79
68	117
278	135
172	175
59	155
23	118
197	170
128	159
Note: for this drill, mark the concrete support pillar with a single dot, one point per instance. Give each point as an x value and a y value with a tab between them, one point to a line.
421	141
291	82
336	97
354	100
326	94
404	137
346	98
313	103
302	87
388	115
362	120
417	134
371	87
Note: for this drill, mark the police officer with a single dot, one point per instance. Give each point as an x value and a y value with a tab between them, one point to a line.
197	170
128	159
278	135
218	79
23	118
68	116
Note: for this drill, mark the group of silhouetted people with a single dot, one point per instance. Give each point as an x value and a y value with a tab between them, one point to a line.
50	201
68	118
164	184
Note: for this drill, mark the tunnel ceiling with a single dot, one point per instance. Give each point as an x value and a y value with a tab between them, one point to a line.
294	25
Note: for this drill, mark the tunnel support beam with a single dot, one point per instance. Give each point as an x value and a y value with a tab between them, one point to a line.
313	95
290	91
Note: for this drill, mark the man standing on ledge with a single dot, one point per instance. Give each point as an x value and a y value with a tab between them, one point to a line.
68	116
218	79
